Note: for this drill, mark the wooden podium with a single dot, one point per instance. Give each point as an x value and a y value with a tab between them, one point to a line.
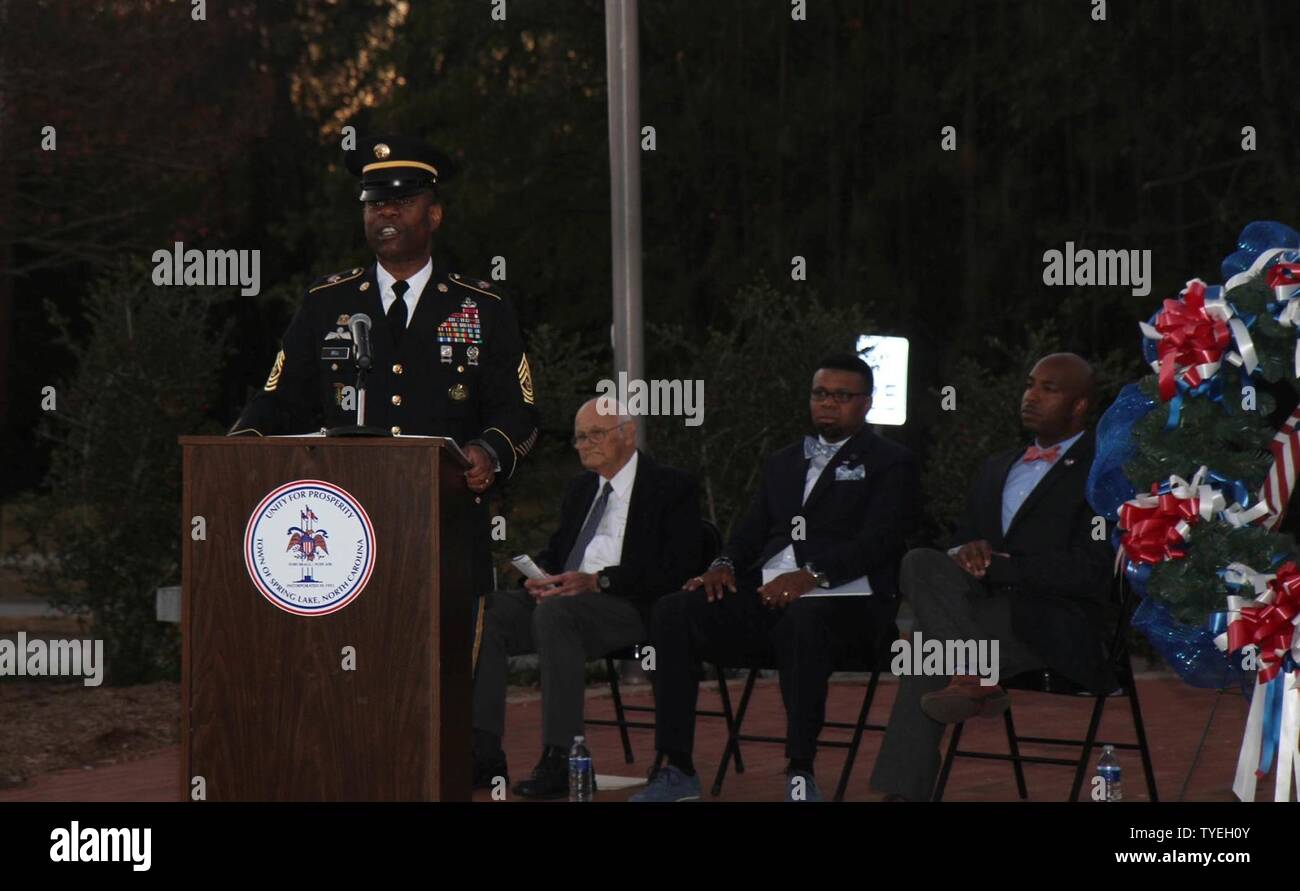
271	708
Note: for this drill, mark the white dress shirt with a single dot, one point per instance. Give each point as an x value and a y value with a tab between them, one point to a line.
606	547
412	295
783	561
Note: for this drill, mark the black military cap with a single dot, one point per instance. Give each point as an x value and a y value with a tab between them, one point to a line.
394	166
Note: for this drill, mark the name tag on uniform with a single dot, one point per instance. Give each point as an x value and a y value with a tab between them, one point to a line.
335	352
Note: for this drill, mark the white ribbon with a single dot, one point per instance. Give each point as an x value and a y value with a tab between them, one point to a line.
1290	736
1243	784
1260	262
1237	516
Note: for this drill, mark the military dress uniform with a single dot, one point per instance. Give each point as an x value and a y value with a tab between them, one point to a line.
458	368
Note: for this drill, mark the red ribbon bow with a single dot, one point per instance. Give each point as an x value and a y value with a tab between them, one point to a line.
1190	338
1269	625
1283	274
1151	533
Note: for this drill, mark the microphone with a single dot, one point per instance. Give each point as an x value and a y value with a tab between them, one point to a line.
359	325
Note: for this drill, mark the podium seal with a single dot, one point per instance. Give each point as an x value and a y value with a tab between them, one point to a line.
309	547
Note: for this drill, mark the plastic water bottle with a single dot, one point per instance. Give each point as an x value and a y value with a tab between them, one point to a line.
1109	770
580	770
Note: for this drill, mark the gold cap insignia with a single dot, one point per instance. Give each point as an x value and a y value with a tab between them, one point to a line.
458	392
382	150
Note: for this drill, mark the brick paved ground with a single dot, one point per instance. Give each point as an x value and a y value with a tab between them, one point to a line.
1175	716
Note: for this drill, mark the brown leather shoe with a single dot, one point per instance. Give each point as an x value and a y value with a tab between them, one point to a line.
964	699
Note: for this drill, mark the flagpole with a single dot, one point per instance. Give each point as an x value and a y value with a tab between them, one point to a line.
623	72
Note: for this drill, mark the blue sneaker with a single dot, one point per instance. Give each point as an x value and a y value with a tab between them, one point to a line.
800	786
667	783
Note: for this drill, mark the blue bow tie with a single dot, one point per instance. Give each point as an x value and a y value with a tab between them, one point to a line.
815	448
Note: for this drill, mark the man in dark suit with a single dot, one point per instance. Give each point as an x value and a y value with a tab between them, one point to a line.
1027	571
831	512
629	532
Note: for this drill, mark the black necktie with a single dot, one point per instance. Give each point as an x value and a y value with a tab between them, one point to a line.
588	530
397	312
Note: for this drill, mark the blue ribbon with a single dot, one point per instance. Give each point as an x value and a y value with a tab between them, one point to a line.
1272	732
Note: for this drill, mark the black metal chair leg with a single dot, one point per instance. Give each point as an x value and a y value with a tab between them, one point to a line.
619	714
732	743
727	714
857	736
1143	749
1089	743
1013	744
948	759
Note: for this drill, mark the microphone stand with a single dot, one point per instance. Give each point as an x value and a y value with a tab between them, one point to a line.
360	428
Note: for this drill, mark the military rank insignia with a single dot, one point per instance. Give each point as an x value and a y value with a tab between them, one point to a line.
273	380
525	379
458	392
463	326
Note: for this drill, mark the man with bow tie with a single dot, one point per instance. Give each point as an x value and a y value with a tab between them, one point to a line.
1026	571
830	517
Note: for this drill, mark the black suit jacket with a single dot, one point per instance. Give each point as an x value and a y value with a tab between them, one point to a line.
853	527
662	540
1057	575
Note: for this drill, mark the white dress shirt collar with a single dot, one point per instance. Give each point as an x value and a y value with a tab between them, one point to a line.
385	280
622	481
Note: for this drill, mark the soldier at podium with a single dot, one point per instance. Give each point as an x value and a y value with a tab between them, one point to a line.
448	359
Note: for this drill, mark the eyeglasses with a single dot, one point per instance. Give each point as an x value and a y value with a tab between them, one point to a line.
820	394
399	203
595	437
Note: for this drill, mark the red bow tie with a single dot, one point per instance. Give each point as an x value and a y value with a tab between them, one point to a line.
1034	453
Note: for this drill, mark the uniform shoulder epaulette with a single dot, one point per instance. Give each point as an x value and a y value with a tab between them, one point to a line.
336	278
474	284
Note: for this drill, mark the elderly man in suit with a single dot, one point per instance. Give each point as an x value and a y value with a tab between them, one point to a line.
830	517
629	532
1026	571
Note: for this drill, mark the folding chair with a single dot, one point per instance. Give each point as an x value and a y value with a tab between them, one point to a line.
871	663
1047	681
712	545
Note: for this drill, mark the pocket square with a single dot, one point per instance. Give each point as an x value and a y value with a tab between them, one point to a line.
850	473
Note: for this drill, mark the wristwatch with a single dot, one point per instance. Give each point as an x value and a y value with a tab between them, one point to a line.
822	580
603	581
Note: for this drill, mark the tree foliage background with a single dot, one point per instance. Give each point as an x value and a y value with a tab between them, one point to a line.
775	138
